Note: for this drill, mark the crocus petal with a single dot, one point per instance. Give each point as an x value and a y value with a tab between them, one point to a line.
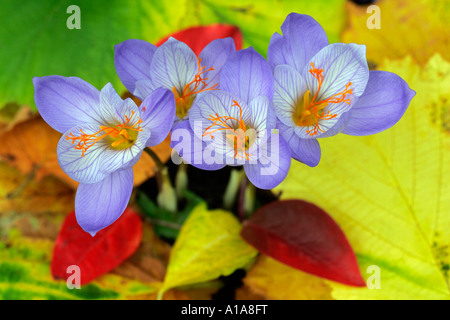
215	54
306	151
279	51
289	89
247	75
113	108
82	169
341	63
99	204
305	37
272	165
143	88
132	59
174	64
158	114
66	102
192	149
261	115
382	104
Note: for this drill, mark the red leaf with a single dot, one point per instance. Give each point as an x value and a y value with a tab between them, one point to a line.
198	37
95	255
305	237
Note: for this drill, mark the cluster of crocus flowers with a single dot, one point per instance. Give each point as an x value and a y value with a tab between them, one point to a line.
222	107
234	125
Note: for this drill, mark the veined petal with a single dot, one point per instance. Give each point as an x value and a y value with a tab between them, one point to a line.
343	65
247	75
113	108
65	102
174	64
132	59
158	114
306	151
192	149
382	104
99	204
334	126
215	54
82	169
305	37
272	166
279	51
289	89
260	113
143	88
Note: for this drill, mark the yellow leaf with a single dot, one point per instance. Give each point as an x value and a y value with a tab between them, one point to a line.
390	192
274	280
407	27
208	246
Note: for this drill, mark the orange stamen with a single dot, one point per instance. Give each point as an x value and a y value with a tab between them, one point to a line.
199	84
240	142
314	107
85	141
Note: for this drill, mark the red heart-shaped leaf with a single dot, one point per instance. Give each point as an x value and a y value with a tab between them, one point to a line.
198	37
95	255
305	237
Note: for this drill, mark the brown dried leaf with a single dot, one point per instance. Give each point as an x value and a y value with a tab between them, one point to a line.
19	193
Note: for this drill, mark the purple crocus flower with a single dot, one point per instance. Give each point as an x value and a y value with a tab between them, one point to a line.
142	67
233	125
322	89
103	137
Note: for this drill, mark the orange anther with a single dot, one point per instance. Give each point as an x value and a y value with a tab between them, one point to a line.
85	141
240	140
312	111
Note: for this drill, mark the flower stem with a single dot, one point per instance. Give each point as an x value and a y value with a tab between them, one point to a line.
232	189
242	199
167	197
155	158
181	180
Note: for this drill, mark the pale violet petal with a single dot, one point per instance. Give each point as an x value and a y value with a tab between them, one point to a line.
65	102
99	204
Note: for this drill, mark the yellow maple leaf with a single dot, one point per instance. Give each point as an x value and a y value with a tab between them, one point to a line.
407	27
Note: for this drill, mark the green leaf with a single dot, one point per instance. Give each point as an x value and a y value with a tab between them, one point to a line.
259	20
390	192
208	246
165	223
36	42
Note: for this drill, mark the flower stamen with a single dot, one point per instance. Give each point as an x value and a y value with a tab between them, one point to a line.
185	99
309	111
119	134
241	141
